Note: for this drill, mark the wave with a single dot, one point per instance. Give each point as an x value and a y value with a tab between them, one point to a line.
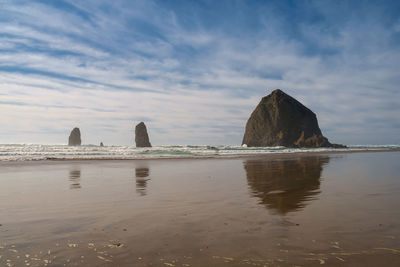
29	152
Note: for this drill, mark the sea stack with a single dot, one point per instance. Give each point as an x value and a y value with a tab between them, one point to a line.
281	120
75	137
141	136
101	144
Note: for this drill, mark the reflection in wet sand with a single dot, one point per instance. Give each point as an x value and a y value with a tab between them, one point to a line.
285	185
75	178
141	181
203	212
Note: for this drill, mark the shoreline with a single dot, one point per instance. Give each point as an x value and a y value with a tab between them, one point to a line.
199	157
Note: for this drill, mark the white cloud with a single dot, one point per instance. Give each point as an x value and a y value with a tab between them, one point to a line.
187	97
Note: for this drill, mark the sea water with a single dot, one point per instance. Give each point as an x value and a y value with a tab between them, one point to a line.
29	152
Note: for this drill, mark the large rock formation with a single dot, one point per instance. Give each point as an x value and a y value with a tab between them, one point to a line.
281	120
141	136
75	137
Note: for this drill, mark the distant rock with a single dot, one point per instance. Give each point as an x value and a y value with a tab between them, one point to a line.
75	137
141	136
101	144
281	120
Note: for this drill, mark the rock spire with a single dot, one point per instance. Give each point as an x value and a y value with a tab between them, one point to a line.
75	137
141	136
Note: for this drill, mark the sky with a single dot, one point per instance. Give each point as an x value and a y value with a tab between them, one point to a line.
193	71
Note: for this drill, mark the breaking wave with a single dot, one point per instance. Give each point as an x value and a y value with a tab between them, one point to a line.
28	152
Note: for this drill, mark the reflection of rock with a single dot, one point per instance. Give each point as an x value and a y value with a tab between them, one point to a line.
141	181
142	172
75	137
287	184
141	136
75	178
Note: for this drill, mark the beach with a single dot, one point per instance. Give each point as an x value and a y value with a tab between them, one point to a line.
299	209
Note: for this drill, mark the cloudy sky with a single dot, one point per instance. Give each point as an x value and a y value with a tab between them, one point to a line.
194	70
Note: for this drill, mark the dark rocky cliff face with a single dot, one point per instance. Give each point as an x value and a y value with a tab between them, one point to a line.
75	137
141	136
281	120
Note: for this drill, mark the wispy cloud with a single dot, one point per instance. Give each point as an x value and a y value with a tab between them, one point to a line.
194	72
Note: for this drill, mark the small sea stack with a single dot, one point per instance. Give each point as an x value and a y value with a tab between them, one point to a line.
281	120
75	137
101	144
141	136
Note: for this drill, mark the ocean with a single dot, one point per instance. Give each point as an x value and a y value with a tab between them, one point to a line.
33	152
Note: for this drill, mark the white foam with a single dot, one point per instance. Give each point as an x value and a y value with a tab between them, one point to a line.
27	152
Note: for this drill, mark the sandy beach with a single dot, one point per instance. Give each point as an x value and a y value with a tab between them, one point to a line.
312	209
199	133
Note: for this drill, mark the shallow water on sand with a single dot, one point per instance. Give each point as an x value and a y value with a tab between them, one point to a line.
280	210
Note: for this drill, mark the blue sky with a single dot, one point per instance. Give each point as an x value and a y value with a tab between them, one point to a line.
193	71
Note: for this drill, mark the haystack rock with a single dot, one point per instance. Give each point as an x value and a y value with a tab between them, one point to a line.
75	137
141	136
281	120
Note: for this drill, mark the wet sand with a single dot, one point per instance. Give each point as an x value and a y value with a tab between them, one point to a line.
329	209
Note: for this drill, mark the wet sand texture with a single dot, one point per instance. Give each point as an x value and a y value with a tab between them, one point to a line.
298	210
